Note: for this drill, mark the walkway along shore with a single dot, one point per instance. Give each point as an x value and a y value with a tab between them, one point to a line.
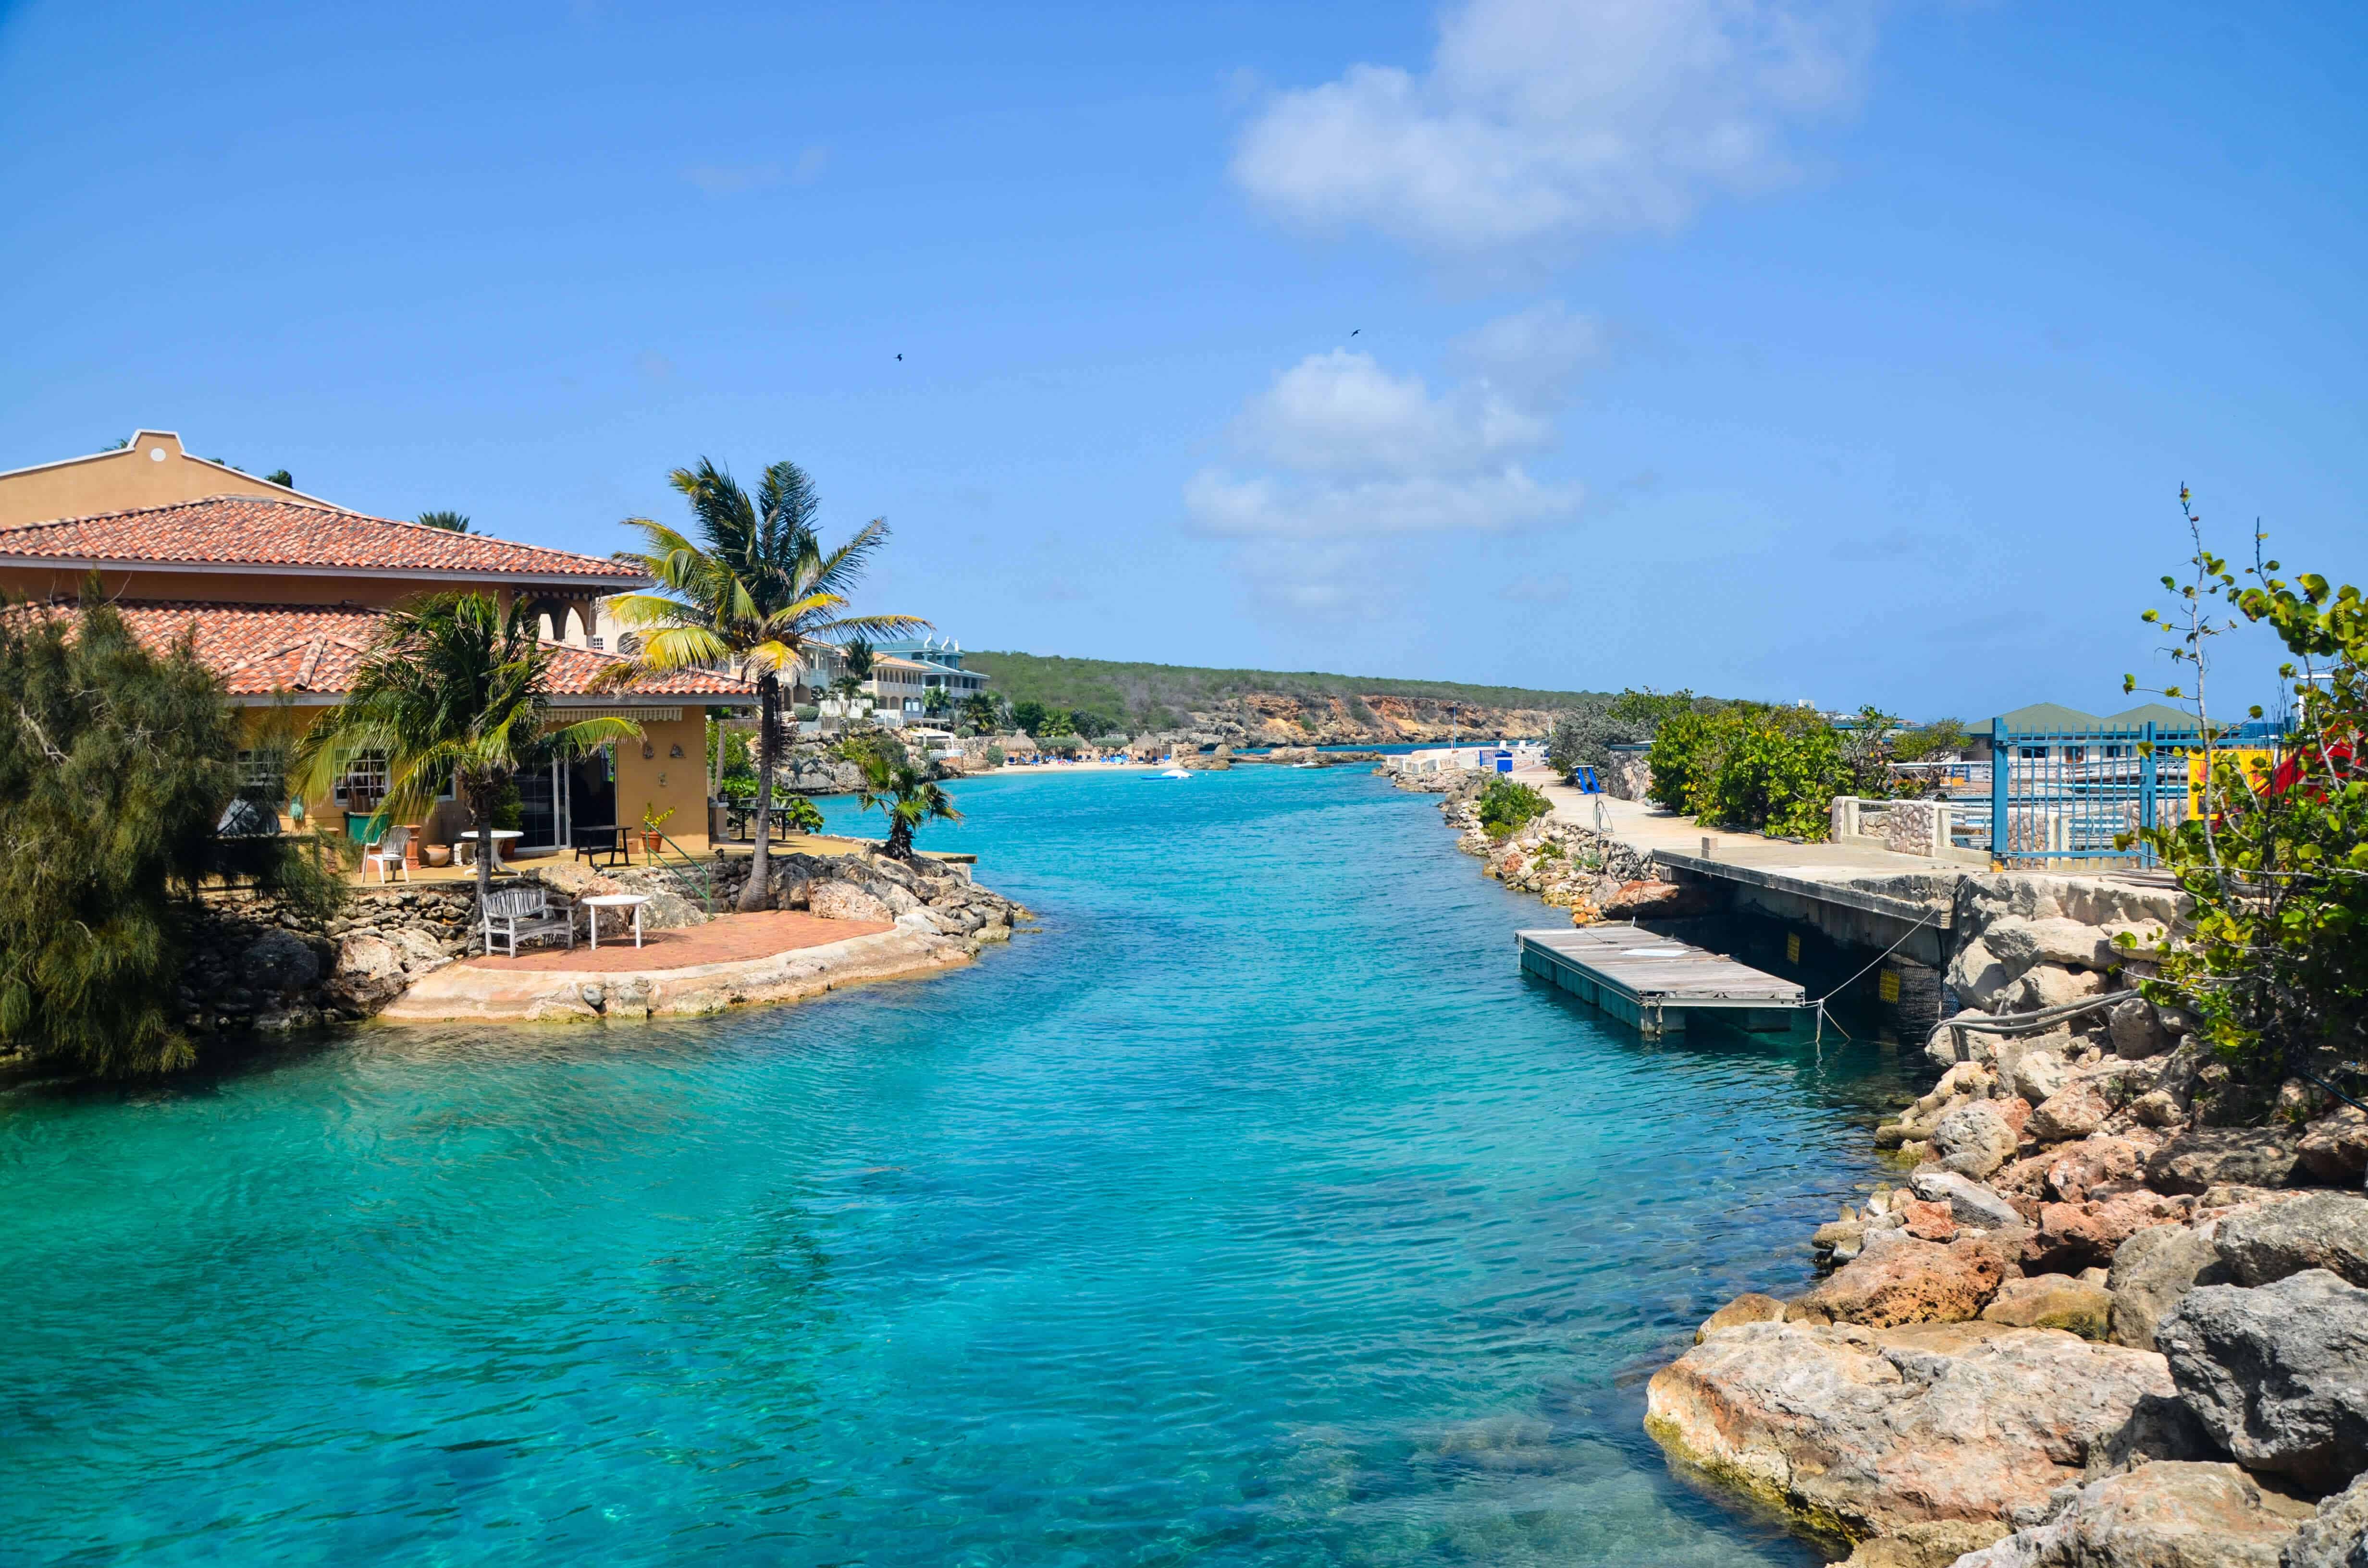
2113	1310
415	953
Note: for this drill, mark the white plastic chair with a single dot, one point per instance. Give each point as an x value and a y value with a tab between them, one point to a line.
388	852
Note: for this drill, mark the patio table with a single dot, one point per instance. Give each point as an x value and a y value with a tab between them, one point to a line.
595	902
501	835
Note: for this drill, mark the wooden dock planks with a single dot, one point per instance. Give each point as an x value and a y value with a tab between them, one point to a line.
1653	982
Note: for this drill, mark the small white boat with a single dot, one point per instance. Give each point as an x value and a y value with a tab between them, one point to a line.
1306	765
1170	773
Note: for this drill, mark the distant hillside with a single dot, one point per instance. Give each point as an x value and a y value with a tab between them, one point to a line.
1270	704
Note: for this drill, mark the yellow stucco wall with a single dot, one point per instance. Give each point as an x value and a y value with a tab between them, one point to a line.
664	778
118	481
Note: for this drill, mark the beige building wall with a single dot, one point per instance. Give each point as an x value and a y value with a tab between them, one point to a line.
152	471
652	774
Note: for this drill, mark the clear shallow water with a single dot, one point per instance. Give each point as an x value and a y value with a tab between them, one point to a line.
1258	1211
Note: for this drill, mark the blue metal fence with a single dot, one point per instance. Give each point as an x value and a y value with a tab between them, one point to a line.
2069	794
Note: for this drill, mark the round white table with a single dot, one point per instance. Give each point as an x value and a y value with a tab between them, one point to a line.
597	901
501	836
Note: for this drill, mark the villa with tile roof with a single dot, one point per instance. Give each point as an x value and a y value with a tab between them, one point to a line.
282	593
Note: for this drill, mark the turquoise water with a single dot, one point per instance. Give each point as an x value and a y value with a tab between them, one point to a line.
1256	1212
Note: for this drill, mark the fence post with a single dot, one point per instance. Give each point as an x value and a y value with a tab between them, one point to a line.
2000	764
2149	782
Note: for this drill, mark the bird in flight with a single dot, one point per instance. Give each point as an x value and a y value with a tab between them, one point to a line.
1355	330
900	356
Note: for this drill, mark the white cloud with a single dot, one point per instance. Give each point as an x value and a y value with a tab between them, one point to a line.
1544	120
810	166
715	179
1343	460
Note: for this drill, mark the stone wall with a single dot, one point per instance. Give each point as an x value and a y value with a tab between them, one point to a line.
933	896
258	963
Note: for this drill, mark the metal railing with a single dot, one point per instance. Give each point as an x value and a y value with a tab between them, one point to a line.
2080	795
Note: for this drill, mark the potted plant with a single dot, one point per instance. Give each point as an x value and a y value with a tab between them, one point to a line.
653	822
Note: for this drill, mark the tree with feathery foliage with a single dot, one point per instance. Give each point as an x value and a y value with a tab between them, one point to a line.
117	766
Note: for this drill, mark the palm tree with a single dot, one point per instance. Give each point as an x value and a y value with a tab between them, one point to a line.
450	522
456	690
937	702
982	710
758	595
909	796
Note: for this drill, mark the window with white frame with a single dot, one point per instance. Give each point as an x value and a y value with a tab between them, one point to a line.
364	785
259	770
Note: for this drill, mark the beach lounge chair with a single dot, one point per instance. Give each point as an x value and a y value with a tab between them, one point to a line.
526	911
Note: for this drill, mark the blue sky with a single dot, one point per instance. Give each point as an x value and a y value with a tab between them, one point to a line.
1853	351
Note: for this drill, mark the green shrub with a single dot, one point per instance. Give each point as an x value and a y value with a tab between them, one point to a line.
1756	768
1505	807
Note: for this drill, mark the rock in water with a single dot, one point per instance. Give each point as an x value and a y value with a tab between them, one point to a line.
1857	1432
2322	1230
2222	1156
2278	1374
2053	1301
1907	1281
2336	1536
2152	1273
1749	1307
2169	1514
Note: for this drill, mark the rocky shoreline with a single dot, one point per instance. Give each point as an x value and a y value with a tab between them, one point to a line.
2113	1311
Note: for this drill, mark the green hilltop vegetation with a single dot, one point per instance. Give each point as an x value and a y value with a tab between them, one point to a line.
1153	691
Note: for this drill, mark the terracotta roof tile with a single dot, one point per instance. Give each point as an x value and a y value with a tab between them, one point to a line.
258	650
254	530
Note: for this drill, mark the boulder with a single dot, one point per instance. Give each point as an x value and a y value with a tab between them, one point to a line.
2278	1374
1969	1201
279	962
2072	1236
2135	1031
1749	1307
1857	1432
2206	1157
845	901
2021	943
2053	1301
1925	1221
2078	1168
2076	1111
1935	1545
1976	975
2039	1075
2317	1230
2334	1149
2152	1272
369	971
2156	1107
2046	985
1650	900
1975	1138
2334	1537
2166	1514
1906	1281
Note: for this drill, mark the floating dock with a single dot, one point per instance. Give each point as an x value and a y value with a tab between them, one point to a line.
1654	982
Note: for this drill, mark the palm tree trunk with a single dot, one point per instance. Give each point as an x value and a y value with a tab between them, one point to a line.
481	817
769	702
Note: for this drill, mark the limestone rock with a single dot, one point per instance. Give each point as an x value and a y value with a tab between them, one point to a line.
2052	1301
1656	900
2278	1374
1975	1138
2075	1112
279	962
2021	943
844	900
2078	1168
2156	1108
2319	1229
2135	1032
2166	1515
1969	1201
1749	1307
1976	975
1906	1281
2077	1235
369	971
2152	1273
1935	1545
1860	1432
2214	1156
2039	1075
2046	985
2334	1537
2334	1149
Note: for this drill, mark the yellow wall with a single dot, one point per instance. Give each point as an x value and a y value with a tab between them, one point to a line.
664	778
118	481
